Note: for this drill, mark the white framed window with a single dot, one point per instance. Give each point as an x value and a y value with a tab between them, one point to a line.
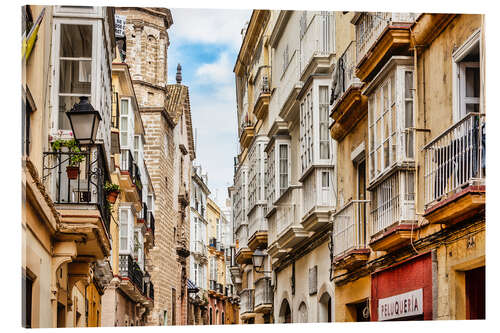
283	167
126	124
391	120
137	148
324	133
270	177
126	229
75	67
306	131
467	77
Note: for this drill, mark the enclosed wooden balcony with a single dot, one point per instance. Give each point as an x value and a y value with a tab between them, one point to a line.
316	42
247	303
263	295
288	231
349	105
455	172
130	182
393	219
257	228
81	201
317	200
349	235
379	36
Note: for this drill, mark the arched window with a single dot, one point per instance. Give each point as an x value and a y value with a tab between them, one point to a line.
302	318
210	316
217	317
222	319
325	308
285	314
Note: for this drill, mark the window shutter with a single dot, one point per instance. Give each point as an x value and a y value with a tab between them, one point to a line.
313	280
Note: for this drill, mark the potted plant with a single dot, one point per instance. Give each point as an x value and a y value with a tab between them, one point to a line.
112	191
76	157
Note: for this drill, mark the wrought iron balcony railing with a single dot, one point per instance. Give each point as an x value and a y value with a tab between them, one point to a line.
127	162
261	83
87	188
456	158
372	24
144	212
130	269
393	201
263	292
151	224
349	227
345	69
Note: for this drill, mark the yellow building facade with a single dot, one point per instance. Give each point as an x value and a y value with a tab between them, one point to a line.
412	207
58	267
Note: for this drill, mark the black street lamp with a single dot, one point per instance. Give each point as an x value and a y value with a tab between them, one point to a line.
258	261
84	121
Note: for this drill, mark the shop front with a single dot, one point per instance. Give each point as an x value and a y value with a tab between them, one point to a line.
403	291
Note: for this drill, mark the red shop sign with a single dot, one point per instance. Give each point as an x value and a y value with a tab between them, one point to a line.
403	290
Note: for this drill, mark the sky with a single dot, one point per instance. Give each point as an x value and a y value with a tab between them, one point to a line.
206	43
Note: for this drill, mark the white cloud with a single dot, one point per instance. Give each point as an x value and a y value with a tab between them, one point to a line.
219	72
221	26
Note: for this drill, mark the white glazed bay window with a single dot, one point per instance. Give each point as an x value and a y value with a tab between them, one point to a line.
391	145
277	169
126	216
74	67
391	121
256	173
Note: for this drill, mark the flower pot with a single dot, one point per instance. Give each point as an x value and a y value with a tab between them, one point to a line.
112	196
72	172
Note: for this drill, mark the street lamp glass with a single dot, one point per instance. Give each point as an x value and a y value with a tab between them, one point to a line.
258	258
84	121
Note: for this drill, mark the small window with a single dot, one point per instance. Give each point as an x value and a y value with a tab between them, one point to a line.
325	179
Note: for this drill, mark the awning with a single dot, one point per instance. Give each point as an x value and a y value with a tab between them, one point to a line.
192	288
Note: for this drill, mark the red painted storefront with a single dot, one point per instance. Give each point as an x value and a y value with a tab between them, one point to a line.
410	275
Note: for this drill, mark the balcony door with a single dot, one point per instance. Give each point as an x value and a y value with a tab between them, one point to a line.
475	290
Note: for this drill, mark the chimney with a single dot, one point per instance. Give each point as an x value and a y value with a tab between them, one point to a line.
178	76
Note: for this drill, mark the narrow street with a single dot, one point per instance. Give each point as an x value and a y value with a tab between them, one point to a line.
218	167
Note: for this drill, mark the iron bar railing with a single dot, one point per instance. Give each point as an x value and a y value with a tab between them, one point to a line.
349	227
372	24
130	269
88	187
393	201
456	158
345	72
152	222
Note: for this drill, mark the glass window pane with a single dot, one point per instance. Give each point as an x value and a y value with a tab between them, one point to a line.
124	107
408	84
75	76
471	107
472	81
76	41
325	181
408	114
